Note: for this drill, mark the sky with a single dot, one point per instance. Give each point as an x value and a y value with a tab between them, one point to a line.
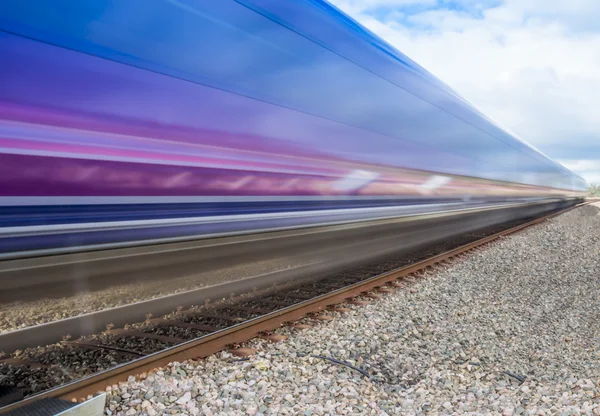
531	65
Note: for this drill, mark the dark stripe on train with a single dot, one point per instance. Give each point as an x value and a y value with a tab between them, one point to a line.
18	216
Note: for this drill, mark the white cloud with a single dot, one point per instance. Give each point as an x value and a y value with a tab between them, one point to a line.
590	169
532	65
358	6
578	15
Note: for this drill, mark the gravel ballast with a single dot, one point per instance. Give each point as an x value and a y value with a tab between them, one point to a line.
513	329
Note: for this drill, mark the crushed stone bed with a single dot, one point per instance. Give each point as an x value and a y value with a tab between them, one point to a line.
512	330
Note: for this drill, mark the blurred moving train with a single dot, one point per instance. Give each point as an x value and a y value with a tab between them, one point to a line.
145	121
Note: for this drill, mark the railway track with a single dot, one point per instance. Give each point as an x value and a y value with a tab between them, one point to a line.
75	369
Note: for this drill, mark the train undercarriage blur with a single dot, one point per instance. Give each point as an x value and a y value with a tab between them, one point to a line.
215	268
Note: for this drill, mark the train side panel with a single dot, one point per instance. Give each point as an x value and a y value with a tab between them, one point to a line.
154	110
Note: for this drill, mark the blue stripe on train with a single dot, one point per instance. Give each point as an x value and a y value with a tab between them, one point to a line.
18	216
128	234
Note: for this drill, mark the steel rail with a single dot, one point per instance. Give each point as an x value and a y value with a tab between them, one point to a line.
215	342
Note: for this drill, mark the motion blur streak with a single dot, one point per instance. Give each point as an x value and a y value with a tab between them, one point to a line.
150	147
211	111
